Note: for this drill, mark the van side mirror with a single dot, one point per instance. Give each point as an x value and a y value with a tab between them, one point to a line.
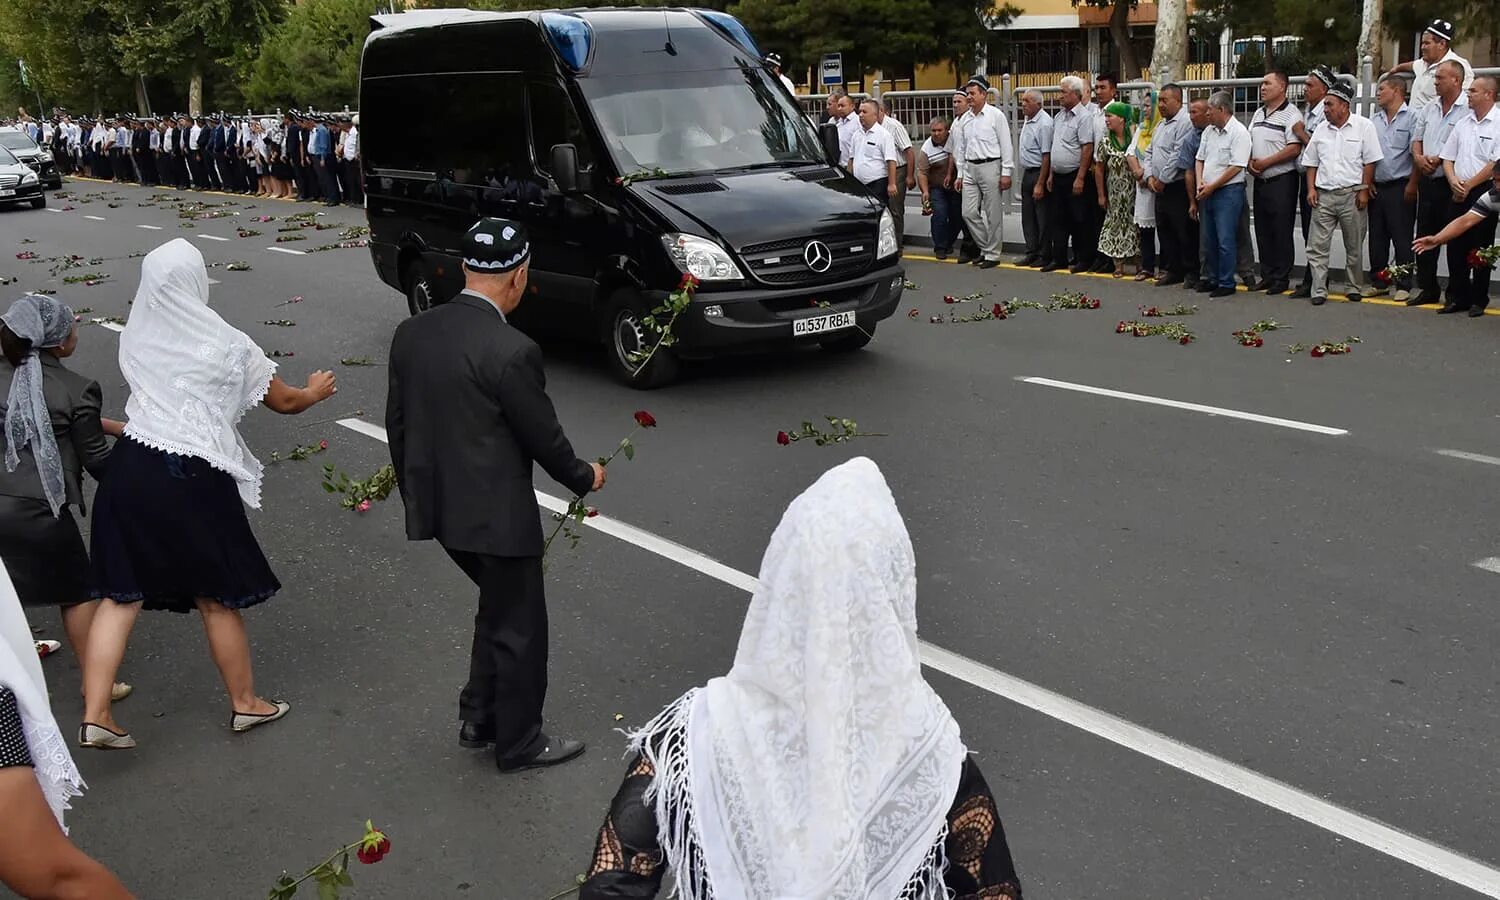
829	134
565	167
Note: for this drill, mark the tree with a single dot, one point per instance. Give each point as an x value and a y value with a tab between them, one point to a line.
1119	33
312	57
161	36
1169	55
68	51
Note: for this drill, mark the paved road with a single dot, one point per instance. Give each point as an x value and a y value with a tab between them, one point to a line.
1302	604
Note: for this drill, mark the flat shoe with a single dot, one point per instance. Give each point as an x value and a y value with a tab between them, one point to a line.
242	722
119	691
101	738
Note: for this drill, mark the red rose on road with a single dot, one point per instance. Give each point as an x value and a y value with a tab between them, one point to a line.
783	438
1184	340
322	445
369	855
644	419
364	506
998	311
1317	352
593	511
949	298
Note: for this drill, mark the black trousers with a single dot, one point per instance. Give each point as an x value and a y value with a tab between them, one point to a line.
1034	217
1306	211
1276	200
1071	217
1392	219
328	179
228	181
1467	286
349	180
195	169
1178	232
508	659
1435	209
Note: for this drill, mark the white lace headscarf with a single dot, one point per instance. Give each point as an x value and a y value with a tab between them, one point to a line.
46	323
192	376
21	671
823	766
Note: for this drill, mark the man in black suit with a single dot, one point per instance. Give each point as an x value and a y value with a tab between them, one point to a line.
468	416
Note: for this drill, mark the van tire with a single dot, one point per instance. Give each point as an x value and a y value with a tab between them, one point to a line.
623	333
419	293
847	343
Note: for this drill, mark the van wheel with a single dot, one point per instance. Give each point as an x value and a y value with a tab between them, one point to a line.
419	296
854	340
625	334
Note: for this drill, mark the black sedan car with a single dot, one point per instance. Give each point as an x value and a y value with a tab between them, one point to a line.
32	154
18	183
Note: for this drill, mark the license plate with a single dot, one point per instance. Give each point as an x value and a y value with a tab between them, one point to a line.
821	324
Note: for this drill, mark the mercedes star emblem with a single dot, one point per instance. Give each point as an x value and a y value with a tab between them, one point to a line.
818	256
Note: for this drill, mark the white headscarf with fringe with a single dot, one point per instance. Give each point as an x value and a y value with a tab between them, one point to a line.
192	376
823	766
21	671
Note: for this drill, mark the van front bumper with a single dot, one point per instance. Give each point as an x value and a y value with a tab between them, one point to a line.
760	317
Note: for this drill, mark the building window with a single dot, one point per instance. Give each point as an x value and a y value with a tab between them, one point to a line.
1033	52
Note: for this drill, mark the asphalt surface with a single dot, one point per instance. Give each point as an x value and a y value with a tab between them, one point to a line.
1302	604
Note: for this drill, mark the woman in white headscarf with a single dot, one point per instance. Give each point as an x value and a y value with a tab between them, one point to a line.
37	778
169	529
823	766
51	432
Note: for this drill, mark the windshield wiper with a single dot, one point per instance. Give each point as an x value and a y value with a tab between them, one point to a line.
774	164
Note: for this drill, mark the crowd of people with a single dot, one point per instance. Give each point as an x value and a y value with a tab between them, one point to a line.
1169	189
300	155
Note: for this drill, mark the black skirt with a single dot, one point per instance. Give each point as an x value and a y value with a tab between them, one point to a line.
44	554
170	529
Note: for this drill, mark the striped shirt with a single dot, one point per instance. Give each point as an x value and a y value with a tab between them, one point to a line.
1271	132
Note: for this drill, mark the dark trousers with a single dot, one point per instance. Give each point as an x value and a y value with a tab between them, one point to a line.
1071	217
1435	210
195	169
1306	211
508	658
1391	222
947	217
349	181
1148	249
1276	202
330	183
225	167
1467	286
307	182
1178	232
1034	217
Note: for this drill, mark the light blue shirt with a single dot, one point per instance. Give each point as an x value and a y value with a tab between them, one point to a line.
319	145
1396	135
1036	139
1166	147
1434	127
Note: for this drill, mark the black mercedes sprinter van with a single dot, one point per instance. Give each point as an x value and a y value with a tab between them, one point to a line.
636	145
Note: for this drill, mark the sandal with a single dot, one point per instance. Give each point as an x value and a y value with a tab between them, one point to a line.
1142	276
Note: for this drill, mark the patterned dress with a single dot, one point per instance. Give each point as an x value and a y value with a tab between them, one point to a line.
1118	239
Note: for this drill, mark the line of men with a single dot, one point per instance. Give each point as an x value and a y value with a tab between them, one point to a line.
1410	169
216	152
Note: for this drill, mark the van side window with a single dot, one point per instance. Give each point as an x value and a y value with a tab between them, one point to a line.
409	141
555	121
485	137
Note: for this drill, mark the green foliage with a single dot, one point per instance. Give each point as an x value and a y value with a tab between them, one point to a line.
312	57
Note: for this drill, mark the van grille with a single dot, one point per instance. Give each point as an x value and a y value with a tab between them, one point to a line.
692	187
784	262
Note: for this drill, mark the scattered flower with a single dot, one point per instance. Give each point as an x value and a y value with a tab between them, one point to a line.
841	431
286	238
92	277
341	245
593	511
26	254
237	266
644	419
1171	330
1178	310
910	285
280	354
358	494
1073	300
300	452
247	232
910	314
1332	348
332	874
297	299
949	298
1248	338
356	361
281	323
363	506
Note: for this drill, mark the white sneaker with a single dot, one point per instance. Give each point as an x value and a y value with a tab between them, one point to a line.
1401	296
1375	291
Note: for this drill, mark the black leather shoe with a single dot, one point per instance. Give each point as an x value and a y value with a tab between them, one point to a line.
1451	308
1317	301
1422	299
1168	280
1076	270
474	736
965	260
1353	298
940	254
1253	284
1301	293
1190	284
555	751
1222	292
988	263
1476	311
1206	287
1273	288
1051	267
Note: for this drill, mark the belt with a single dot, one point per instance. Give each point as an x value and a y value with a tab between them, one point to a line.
1274	177
1336	190
980	162
1390	182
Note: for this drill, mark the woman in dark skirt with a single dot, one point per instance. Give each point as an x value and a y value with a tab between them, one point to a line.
52	433
170	530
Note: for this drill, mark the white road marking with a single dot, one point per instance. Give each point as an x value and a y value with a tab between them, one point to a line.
1192	407
112	326
51	209
95	218
1471	457
214	281
150	227
288	250
1278	795
210	237
1489	564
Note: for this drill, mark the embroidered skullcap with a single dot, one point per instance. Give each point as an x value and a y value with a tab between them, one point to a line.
1343	89
980	81
1442	28
495	246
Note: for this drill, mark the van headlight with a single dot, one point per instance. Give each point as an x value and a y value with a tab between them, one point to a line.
701	257
29	178
887	245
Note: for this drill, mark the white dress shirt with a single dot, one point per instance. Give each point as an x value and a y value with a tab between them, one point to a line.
1341	152
1424	80
1224	148
1474	143
787	83
351	144
1071	129
987	136
1434	126
872	150
848	127
1310	121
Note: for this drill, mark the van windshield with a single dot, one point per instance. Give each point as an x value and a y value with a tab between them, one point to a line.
700	122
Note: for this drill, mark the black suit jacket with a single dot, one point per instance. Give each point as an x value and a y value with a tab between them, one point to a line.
467	417
73	403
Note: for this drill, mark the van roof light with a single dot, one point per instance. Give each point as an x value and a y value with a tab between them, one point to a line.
571	37
732	29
